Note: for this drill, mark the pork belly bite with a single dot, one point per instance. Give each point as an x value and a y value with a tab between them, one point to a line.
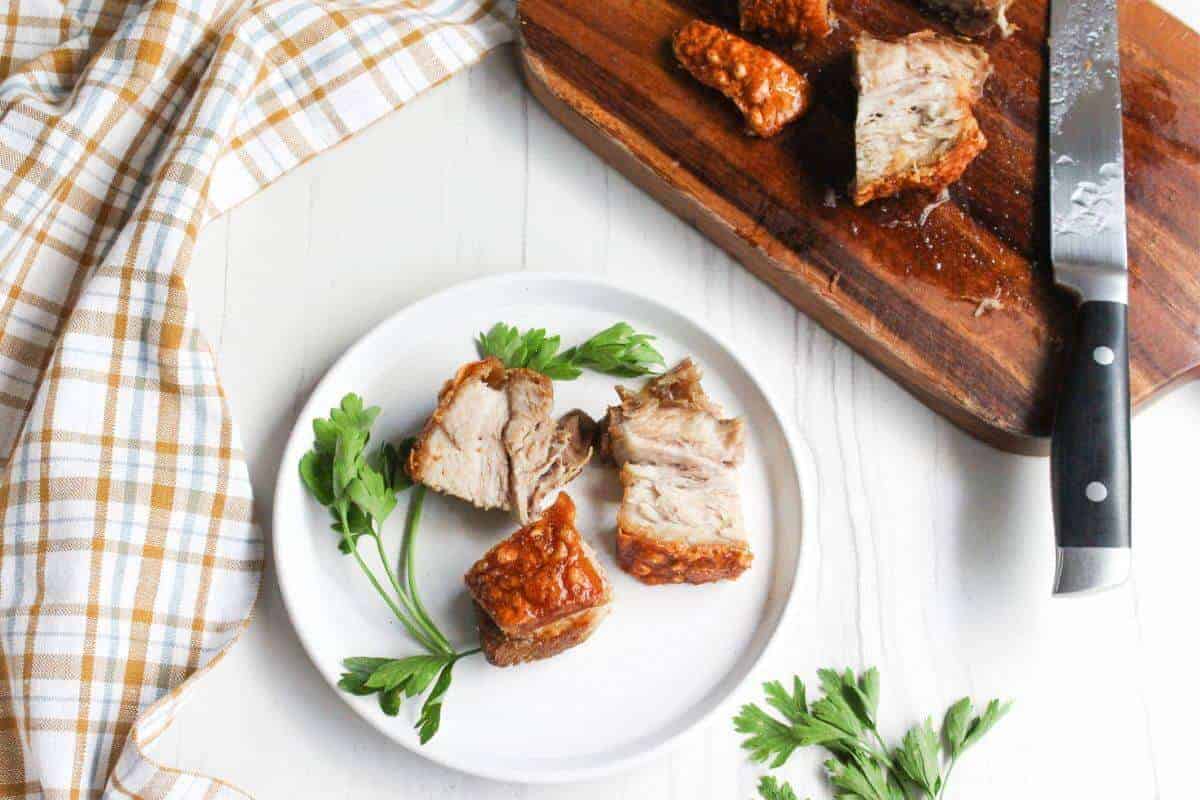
767	91
976	17
915	126
681	514
540	591
797	20
543	454
460	451
493	442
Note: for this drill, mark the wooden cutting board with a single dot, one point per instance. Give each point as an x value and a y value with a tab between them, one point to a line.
909	296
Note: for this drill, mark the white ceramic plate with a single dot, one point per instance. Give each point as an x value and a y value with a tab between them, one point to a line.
666	657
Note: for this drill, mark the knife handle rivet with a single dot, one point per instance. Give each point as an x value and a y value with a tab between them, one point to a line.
1096	492
1103	355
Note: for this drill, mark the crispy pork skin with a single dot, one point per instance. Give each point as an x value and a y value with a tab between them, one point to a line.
915	126
493	442
976	17
680	518
540	591
798	20
767	91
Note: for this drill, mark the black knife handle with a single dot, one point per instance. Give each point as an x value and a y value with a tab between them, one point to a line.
1089	451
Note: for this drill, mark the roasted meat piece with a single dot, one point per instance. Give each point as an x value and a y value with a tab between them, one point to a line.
798	20
461	448
493	442
915	126
976	17
505	651
681	516
540	591
767	91
543	454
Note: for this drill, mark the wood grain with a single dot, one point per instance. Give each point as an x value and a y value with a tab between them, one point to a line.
905	295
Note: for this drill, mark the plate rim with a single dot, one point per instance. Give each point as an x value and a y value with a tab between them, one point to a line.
797	449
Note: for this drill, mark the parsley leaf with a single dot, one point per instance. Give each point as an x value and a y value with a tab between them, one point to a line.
431	711
983	723
767	738
390	462
358	670
370	492
415	671
835	710
793	706
356	524
843	721
955	724
390	700
617	350
393	679
863	778
771	789
360	490
919	758
351	415
316	470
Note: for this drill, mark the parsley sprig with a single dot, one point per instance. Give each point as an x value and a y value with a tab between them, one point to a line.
843	721
617	350
360	490
771	789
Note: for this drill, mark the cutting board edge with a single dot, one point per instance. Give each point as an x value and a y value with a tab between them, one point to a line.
594	128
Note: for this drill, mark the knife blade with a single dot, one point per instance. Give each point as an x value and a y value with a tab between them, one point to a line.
1087	179
1090	447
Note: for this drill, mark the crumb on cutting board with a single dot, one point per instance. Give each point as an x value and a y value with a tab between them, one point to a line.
986	304
943	196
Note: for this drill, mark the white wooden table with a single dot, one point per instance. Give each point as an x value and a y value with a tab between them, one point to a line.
934	554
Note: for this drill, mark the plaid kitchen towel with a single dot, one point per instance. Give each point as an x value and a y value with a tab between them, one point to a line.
128	557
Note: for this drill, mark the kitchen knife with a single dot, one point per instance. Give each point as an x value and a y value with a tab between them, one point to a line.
1089	452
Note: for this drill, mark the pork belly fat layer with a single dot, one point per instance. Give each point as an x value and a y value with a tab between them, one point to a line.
679	436
538	575
915	126
492	440
692	508
681	517
792	19
767	91
672	421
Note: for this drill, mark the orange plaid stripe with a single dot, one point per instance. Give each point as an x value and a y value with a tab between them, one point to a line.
129	560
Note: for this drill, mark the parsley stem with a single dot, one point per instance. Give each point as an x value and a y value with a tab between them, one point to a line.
945	780
430	637
470	652
408	624
410	573
882	754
